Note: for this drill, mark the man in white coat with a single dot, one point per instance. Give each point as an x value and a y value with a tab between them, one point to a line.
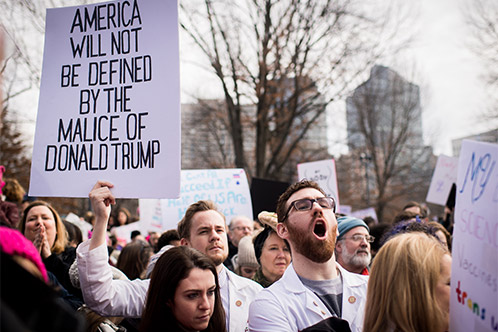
314	287
202	228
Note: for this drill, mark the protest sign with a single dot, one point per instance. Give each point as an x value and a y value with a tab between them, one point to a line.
445	174
109	104
362	214
227	188
474	284
323	173
123	233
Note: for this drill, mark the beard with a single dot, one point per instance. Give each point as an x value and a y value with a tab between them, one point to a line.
356	260
318	251
218	257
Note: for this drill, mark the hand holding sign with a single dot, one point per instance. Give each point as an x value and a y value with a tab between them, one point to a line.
101	199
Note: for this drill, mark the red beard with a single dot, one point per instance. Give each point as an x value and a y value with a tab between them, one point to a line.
318	251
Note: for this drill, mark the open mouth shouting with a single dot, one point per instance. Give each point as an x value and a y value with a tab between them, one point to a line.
320	229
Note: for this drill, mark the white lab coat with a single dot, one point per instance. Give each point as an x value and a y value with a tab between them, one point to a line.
288	305
125	298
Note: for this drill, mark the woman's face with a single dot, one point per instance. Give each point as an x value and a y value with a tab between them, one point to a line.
40	217
443	288
122	218
275	257
193	304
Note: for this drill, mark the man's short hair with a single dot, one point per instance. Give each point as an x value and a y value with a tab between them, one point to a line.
166	238
404	216
186	223
282	200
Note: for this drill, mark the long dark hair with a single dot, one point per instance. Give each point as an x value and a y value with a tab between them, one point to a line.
172	267
134	258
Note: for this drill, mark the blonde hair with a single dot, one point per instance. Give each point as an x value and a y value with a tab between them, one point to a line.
401	289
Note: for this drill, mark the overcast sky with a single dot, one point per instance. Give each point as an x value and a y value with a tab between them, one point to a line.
455	93
448	74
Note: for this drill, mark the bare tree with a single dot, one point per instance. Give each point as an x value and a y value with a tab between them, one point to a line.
482	19
385	140
290	59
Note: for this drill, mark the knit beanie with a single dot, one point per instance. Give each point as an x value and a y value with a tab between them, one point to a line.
346	223
245	255
13	243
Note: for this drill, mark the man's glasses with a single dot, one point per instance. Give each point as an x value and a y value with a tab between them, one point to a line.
360	237
306	204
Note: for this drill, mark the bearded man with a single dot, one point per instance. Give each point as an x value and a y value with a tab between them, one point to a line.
353	245
314	290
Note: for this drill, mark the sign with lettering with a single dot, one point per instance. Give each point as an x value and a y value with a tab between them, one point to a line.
323	173
474	276
109	104
227	188
445	174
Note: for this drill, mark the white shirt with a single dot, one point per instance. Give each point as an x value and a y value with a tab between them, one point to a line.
288	305
125	298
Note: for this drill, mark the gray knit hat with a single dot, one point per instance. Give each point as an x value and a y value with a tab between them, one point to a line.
245	256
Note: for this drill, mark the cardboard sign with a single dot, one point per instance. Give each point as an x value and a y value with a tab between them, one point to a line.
445	174
323	173
227	188
109	103
474	276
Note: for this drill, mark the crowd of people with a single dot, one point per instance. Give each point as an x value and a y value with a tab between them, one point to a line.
304	267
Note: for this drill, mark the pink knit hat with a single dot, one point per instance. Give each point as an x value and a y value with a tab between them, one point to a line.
12	242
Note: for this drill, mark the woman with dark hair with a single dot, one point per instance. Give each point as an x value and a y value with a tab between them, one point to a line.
183	294
134	258
271	251
42	225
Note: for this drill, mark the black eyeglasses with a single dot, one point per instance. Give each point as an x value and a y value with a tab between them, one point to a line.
306	204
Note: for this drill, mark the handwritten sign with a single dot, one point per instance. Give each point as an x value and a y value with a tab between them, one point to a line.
445	174
109	104
323	173
227	188
474	277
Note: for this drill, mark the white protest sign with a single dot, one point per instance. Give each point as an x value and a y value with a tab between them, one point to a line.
323	173
445	174
474	276
123	233
227	188
151	214
109	104
368	212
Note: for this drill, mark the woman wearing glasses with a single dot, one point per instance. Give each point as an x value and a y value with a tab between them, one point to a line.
352	249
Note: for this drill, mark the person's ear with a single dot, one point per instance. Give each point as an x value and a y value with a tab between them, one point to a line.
184	242
282	231
338	247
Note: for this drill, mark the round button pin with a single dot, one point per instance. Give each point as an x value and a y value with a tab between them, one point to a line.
238	303
352	299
